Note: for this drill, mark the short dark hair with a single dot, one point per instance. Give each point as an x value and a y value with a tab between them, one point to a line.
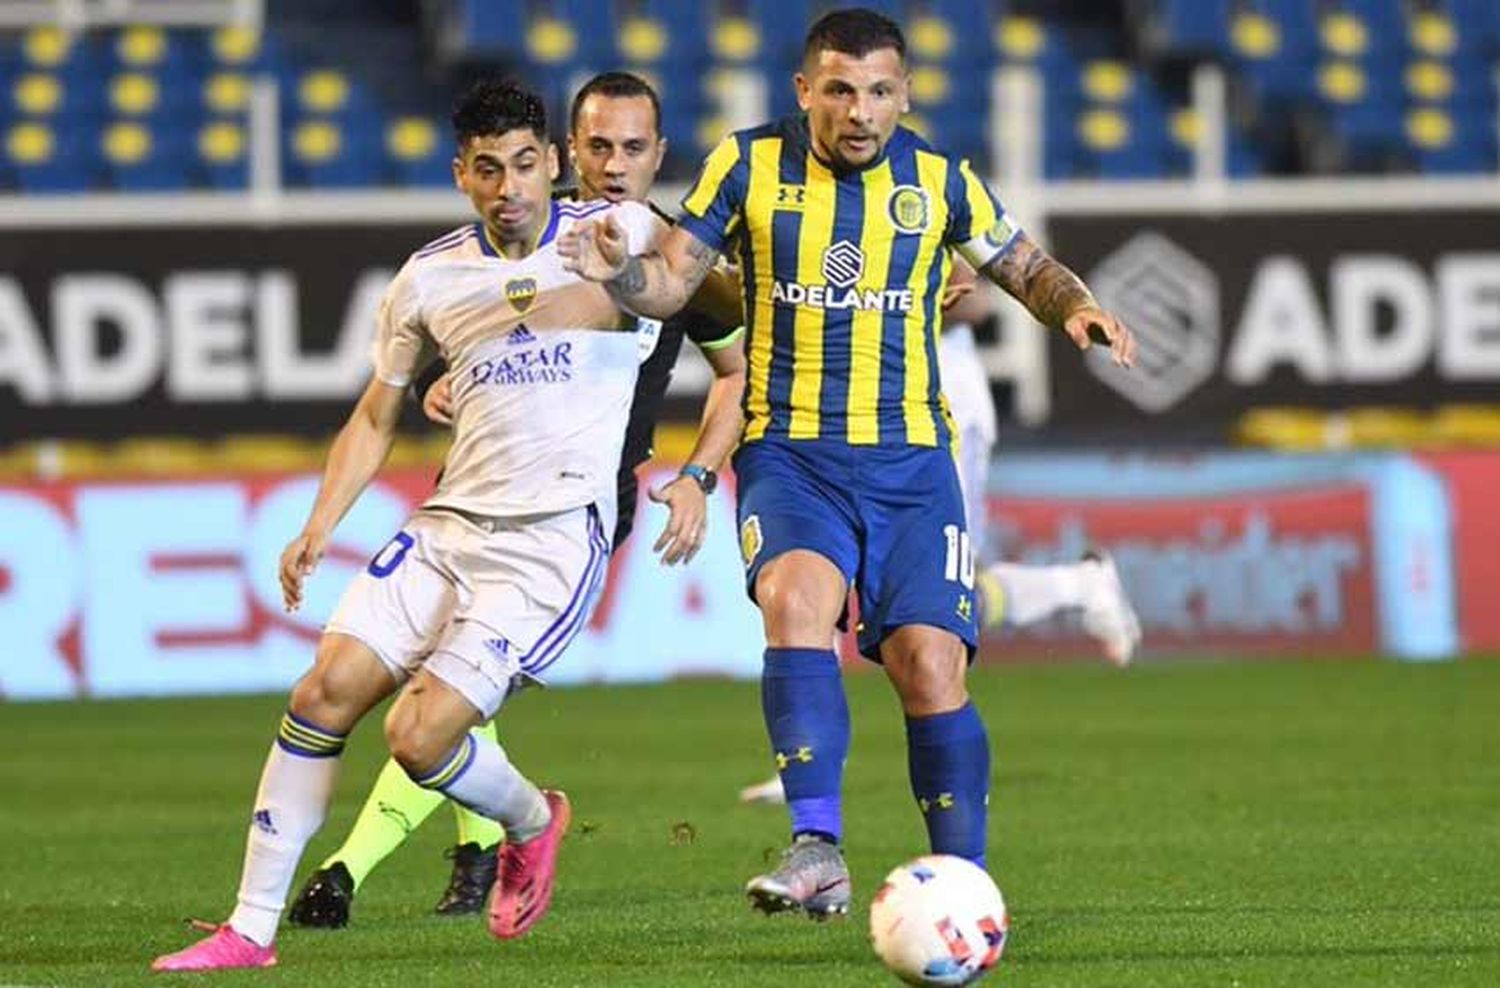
617	85
853	31
493	107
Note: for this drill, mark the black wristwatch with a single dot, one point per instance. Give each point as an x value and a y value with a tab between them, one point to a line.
706	478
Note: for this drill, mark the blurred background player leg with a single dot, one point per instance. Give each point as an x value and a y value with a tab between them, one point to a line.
395	808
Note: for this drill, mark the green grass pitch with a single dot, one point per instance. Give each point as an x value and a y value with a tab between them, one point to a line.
1313	823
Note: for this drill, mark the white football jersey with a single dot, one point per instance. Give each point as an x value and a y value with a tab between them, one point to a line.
543	365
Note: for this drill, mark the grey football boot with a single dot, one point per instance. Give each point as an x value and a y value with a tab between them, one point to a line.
812	877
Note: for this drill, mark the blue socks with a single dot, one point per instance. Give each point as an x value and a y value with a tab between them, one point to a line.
807	720
948	756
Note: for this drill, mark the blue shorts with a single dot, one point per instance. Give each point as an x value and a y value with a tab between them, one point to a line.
890	518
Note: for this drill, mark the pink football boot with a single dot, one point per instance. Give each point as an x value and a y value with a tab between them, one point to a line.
220	950
523	890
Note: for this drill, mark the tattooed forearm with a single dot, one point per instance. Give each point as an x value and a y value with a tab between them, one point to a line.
1040	282
652	285
633	279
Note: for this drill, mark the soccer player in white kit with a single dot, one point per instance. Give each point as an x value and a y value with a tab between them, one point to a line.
487	582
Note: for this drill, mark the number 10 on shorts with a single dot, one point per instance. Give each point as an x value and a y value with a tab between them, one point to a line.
960	563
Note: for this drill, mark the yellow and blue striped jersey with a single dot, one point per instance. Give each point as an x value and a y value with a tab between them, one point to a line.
844	275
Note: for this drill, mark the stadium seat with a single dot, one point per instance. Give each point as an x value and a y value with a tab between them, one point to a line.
1188	28
492	27
1444	143
323	154
222	148
226	93
138	159
1476	25
419	154
48	159
243	49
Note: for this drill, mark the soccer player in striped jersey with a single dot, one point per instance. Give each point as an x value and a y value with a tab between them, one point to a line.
845	222
487	582
616	148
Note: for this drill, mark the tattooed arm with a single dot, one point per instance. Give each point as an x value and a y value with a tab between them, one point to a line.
656	284
1058	298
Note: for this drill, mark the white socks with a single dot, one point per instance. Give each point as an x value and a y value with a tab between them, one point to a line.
1033	593
479	776
292	801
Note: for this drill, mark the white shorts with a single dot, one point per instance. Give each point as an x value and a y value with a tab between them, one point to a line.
478	601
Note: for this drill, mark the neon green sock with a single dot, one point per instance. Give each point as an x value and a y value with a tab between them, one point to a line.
473	828
395	807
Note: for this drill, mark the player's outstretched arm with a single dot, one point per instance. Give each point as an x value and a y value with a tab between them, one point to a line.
357	453
656	284
718	434
1058	298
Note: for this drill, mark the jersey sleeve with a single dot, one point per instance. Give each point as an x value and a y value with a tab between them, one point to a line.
712	208
978	225
709	334
642	226
402	344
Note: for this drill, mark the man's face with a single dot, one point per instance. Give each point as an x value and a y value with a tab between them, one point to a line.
615	147
508	177
852	104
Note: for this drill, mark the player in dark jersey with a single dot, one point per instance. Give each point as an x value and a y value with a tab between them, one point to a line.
845	224
616	148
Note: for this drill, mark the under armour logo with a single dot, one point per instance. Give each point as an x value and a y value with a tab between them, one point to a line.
943	801
802	754
788	196
965	607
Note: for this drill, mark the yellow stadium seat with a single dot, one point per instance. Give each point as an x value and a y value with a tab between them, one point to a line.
1344	34
47	47
126	142
1342	82
323	91
31	143
235	45
141	47
134	93
643	39
1020	38
551	40
38	94
930	37
317	141
1102	129
227	92
1255	35
1429	80
1107	81
221	142
411	138
1428	127
929	84
735	39
1432	33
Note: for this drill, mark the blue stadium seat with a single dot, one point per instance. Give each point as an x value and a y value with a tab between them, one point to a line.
419	152
242	49
1189	28
493	27
222	147
1443	143
50	159
225	92
969	28
321	154
139	158
1363	28
1476	24
663	41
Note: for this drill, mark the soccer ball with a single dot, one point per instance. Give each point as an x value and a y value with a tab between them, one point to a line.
938	920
